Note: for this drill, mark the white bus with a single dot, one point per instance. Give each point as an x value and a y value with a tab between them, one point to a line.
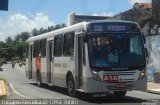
90	57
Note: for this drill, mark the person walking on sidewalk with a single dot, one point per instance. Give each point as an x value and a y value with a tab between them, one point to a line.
13	63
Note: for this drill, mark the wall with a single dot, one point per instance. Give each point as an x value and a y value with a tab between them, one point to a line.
153	46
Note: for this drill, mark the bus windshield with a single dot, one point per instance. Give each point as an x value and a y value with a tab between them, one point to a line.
115	50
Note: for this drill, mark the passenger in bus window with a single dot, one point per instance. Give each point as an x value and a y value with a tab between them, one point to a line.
38	62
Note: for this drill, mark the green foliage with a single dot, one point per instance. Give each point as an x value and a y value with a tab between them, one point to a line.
16	47
8	40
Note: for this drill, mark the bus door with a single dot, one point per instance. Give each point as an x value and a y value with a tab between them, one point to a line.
79	55
50	61
30	61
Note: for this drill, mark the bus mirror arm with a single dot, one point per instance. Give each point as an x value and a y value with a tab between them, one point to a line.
146	52
144	39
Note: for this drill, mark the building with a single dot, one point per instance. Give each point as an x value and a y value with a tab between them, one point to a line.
146	14
138	13
156	10
80	18
147	7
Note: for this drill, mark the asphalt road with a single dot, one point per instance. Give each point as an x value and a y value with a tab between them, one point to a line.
19	87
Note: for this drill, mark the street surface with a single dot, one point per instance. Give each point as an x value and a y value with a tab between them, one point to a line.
22	88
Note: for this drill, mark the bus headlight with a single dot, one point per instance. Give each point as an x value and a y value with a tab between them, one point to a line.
96	75
142	74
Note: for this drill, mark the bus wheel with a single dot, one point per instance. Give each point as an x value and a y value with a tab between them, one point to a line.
71	86
39	82
120	93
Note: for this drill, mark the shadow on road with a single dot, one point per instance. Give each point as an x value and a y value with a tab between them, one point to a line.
112	99
52	88
109	98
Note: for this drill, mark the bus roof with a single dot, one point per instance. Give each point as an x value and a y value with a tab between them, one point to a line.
119	21
57	32
78	26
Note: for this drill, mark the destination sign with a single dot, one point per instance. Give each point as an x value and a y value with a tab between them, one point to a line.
113	27
116	27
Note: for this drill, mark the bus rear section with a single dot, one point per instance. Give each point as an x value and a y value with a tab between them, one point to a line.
116	59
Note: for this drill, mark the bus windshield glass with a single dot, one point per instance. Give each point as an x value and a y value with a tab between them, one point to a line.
115	50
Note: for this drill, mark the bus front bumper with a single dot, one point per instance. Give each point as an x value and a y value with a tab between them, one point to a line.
94	86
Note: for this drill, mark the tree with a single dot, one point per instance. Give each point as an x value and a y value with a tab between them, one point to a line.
34	32
41	31
17	37
16	47
24	36
50	28
20	49
8	40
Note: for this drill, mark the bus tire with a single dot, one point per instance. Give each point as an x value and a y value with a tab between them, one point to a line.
71	86
39	80
119	93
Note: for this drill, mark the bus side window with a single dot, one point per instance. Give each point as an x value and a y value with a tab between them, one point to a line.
43	47
36	50
68	49
58	45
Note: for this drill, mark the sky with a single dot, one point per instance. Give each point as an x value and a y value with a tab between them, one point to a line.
24	15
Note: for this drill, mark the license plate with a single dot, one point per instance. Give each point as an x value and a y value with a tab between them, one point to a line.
120	85
110	78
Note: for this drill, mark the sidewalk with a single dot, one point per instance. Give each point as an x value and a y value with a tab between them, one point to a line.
153	87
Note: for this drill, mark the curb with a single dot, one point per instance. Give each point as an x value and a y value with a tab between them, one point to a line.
2	88
156	91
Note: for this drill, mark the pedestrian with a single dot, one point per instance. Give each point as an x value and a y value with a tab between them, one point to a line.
38	62
13	63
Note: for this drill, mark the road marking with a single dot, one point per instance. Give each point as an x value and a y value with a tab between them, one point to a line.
2	88
10	84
